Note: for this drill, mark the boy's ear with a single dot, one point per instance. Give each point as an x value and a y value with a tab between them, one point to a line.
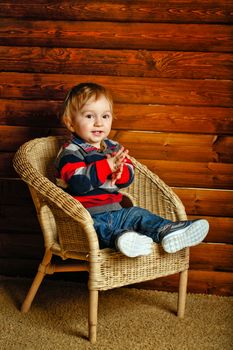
68	123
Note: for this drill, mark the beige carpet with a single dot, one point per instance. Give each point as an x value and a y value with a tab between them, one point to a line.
128	319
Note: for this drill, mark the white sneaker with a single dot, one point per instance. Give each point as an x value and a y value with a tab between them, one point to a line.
133	244
183	234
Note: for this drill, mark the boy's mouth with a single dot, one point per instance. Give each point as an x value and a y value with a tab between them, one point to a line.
97	132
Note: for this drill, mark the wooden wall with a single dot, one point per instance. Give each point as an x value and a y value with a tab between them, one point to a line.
169	65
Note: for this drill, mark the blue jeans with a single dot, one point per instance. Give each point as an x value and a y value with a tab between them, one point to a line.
110	225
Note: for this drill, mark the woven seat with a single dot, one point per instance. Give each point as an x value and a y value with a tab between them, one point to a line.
69	233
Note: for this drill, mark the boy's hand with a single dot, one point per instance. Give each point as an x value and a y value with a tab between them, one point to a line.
117	175
116	162
117	158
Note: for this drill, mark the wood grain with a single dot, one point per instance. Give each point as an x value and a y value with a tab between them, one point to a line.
122	11
140	63
221	229
186	92
43	113
199	281
115	35
31	246
214	257
169	146
192	174
206	202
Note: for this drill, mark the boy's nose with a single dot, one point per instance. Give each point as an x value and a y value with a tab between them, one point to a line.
98	121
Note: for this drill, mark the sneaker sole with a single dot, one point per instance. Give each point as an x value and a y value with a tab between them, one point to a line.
133	244
193	235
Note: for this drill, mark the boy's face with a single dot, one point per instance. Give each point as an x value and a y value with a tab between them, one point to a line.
93	122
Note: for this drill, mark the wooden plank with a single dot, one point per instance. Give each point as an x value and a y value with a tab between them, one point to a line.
205	282
19	219
21	246
210	202
6	167
134	90
141	145
176	147
19	267
24	134
122	11
21	135
152	36
192	174
221	229
42	113
210	282
173	118
140	63
210	256
14	192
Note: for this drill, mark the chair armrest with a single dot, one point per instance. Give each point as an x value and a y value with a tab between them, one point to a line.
44	192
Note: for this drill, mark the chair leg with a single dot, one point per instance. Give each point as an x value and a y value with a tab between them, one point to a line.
36	282
182	293
92	318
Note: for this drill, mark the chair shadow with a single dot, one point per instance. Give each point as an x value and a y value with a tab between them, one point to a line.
16	291
156	302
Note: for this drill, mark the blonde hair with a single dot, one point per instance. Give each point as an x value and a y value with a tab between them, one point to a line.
78	96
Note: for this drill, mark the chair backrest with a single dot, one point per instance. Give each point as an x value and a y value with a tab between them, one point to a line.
42	154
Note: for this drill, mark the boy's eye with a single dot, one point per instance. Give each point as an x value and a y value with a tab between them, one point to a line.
89	116
106	116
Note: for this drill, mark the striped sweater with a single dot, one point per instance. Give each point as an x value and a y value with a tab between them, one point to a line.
83	171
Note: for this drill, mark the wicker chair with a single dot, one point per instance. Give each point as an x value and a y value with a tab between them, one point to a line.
69	233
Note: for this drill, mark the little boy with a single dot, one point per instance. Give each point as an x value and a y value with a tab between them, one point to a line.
92	168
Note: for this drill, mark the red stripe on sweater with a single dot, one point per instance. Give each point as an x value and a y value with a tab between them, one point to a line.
98	200
68	170
103	170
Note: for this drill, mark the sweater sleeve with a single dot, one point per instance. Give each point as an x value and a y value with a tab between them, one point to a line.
81	177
